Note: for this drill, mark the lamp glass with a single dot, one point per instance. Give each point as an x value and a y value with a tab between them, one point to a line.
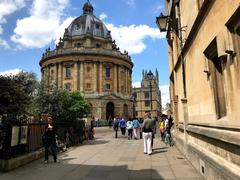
162	22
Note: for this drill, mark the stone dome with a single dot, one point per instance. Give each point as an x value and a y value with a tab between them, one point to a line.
88	24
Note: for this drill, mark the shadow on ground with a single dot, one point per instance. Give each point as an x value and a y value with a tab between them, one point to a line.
66	169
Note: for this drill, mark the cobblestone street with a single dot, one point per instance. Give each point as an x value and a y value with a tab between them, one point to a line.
110	158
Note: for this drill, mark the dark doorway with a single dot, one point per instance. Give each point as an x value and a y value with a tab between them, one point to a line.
110	110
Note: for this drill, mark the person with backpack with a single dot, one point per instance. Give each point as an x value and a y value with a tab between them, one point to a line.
147	133
130	128
122	124
136	127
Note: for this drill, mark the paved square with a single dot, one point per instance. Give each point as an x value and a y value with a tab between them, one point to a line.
111	159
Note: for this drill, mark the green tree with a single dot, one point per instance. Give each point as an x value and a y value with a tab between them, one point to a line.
63	105
77	106
16	93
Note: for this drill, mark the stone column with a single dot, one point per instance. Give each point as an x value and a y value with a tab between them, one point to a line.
100	78
42	74
81	77
48	75
115	81
56	74
78	75
130	87
75	76
126	79
119	79
60	75
94	78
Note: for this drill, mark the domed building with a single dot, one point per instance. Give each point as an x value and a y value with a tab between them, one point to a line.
86	59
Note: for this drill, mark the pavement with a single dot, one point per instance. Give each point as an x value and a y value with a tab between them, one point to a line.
107	158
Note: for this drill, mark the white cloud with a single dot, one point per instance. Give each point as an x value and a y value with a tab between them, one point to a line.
159	8
41	27
4	44
7	7
131	38
103	16
165	94
60	31
1	30
10	72
130	2
136	84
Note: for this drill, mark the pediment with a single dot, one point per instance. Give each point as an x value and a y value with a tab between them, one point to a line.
110	96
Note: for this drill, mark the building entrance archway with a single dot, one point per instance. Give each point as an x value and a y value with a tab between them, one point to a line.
109	110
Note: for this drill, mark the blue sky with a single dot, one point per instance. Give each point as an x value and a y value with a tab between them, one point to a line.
28	27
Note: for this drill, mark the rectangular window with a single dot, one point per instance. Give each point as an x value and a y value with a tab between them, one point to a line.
146	95
108	71
217	79
88	86
147	103
52	74
108	86
68	72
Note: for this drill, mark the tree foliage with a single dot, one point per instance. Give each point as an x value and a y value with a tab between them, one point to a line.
63	105
22	95
16	93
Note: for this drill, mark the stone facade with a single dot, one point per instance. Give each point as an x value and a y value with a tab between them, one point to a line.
143	95
89	61
204	63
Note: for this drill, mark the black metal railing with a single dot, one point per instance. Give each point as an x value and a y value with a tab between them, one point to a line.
17	140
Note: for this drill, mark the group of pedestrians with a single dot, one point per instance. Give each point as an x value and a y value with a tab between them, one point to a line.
165	126
147	128
132	125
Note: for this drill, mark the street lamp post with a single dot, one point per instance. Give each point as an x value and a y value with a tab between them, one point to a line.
150	77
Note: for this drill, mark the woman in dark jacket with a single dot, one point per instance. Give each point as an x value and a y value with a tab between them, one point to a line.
50	140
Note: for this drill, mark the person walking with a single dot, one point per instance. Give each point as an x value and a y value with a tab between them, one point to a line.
110	121
136	127
115	126
122	124
50	139
130	128
147	129
162	127
167	132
